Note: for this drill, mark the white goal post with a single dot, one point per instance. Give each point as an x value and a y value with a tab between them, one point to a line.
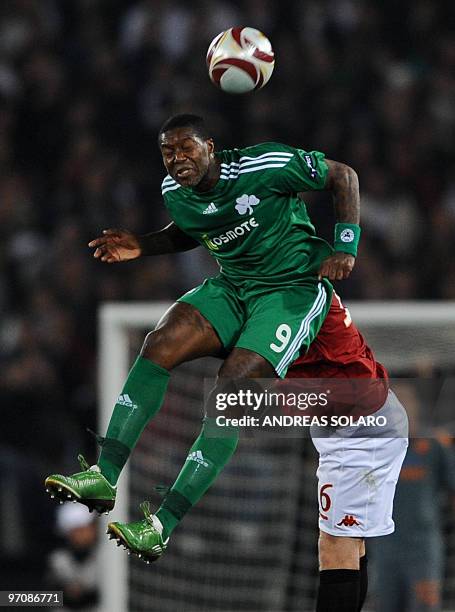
117	320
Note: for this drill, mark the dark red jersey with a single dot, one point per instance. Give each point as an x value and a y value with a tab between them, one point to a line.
340	351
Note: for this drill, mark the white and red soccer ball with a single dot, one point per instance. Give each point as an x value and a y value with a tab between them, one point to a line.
240	60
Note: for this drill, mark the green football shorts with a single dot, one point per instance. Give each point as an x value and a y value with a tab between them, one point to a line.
278	324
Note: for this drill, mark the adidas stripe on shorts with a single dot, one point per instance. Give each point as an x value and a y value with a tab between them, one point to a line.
358	472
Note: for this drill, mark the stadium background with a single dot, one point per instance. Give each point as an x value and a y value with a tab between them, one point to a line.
84	86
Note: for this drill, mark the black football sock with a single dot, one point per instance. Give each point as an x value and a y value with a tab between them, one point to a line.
339	591
363	581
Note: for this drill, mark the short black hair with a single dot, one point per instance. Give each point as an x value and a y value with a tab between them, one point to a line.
185	120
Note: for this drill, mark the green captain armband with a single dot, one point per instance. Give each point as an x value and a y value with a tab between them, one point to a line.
347	236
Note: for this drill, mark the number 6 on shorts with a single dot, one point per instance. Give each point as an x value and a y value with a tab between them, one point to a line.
324	501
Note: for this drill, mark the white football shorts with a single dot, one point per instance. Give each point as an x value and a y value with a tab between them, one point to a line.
358	471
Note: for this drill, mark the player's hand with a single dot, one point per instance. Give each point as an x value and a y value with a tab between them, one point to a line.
116	245
337	267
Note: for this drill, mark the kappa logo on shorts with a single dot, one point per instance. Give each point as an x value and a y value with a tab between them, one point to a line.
348	521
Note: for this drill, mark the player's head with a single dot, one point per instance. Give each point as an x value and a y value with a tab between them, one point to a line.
187	148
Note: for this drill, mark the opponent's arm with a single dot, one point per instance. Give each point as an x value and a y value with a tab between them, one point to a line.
343	182
121	245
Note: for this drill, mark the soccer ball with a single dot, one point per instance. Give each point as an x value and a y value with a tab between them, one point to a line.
240	60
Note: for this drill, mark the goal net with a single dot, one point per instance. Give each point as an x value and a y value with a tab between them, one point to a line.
251	542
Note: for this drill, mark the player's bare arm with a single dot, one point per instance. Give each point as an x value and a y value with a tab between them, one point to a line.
117	245
343	182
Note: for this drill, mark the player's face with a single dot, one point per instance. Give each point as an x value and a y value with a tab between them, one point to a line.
186	155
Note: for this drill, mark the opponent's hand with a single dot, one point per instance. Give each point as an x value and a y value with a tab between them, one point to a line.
116	245
337	267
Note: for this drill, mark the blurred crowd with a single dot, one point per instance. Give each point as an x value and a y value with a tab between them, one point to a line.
84	87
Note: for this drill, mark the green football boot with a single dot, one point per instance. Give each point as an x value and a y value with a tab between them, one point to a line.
142	538
88	487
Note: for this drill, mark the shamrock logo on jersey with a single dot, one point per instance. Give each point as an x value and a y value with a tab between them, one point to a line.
245	204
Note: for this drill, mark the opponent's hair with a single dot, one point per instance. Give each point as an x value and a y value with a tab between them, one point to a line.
185	120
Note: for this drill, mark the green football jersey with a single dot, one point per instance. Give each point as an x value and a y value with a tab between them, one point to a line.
252	221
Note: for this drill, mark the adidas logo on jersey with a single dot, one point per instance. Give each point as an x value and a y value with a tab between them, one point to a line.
125	400
198	457
211	208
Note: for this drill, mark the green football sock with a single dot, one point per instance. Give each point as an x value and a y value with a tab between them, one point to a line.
206	459
139	401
